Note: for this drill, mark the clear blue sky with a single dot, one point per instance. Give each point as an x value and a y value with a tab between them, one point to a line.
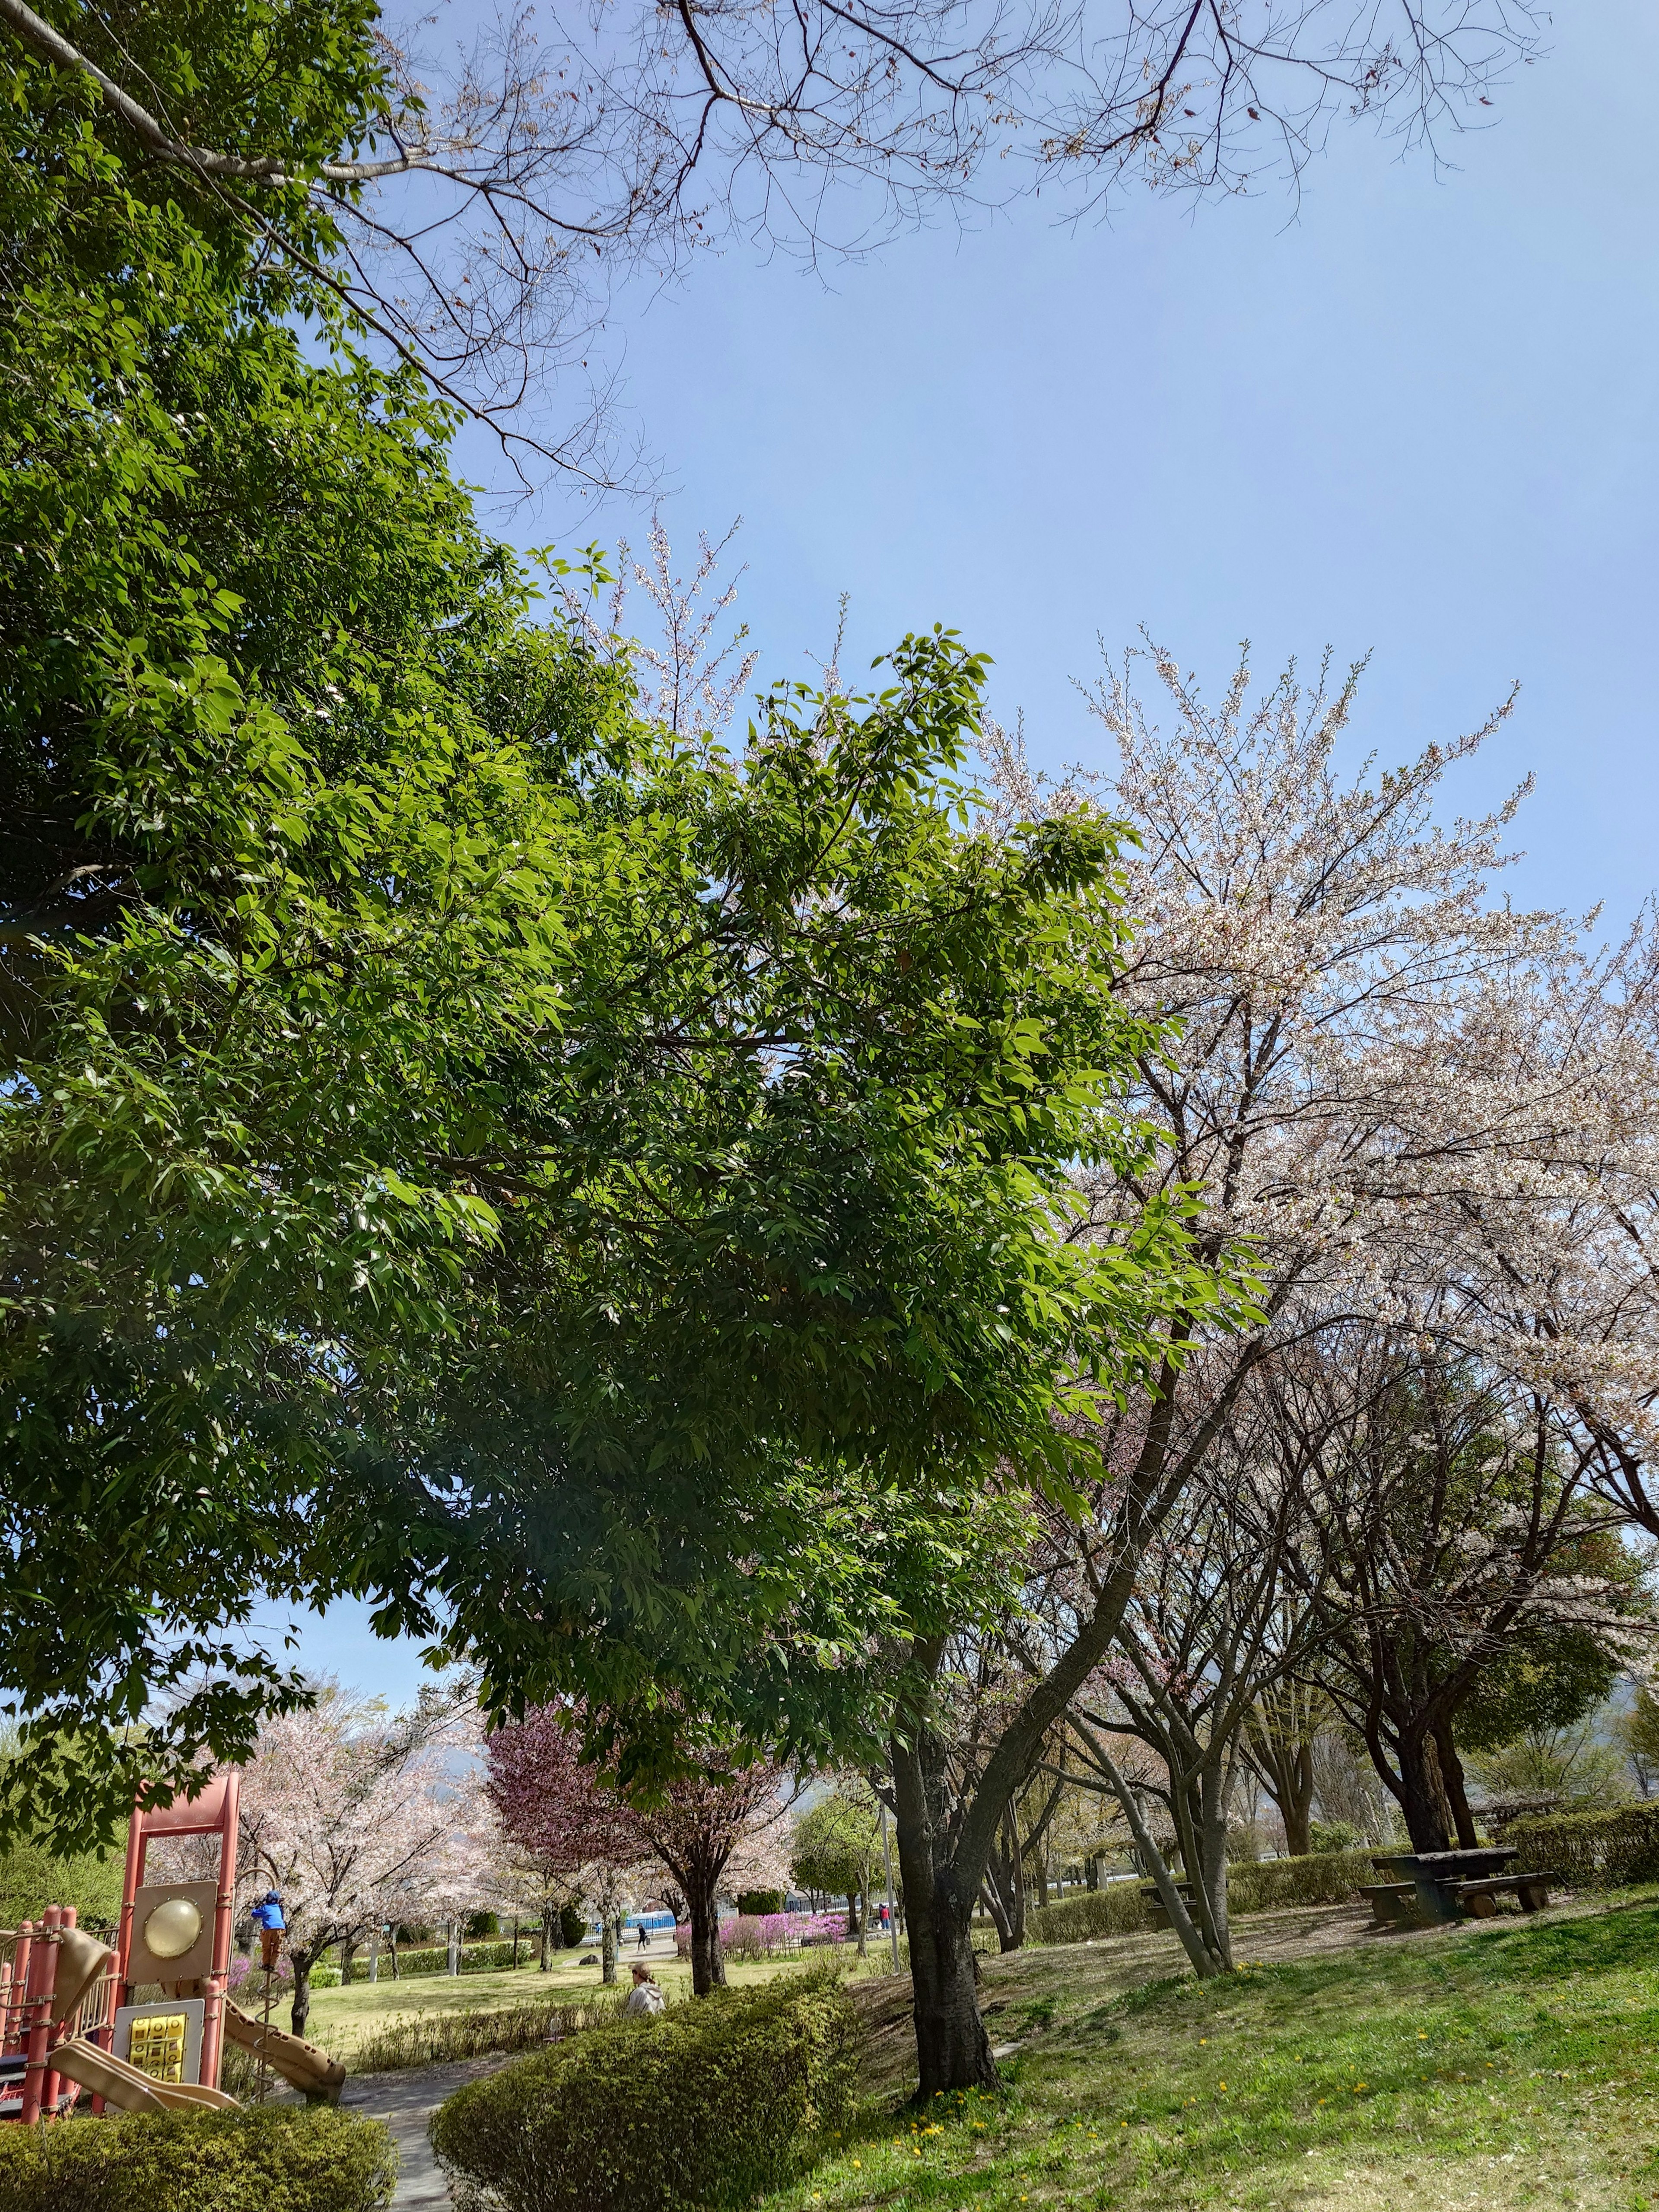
1417	415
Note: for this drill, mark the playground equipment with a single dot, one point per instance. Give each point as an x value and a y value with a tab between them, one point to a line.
69	2019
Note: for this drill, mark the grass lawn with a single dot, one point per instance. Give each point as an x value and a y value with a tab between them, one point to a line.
1481	2066
340	2017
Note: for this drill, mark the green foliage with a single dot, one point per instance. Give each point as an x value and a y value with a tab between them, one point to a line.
431	2038
1332	1877
31	1877
589	1193
325	1977
1537	1686
1572	1764
1591	1850
1640	1735
573	1925
484	1924
1119	1909
834	1844
760	1902
708	2104
33	1874
272	2160
1333	1836
434	1958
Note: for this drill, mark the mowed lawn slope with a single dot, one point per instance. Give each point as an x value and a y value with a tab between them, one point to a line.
1507	2065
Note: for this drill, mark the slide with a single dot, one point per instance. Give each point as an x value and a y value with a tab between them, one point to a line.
310	2070
123	2086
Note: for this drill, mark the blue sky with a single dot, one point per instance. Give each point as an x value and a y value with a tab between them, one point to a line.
1415	415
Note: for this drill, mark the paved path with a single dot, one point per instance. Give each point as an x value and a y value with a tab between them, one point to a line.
406	2101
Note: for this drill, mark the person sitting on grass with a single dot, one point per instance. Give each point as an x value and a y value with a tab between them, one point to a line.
645	1996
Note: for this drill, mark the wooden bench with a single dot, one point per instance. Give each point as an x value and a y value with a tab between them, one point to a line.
1530	1891
1158	1916
1421	1905
1402	1905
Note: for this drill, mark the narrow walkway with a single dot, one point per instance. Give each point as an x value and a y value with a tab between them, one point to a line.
406	2101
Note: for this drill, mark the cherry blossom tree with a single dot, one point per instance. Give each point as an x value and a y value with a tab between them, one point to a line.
722	1824
721	1818
557	1808
1322	966
355	1815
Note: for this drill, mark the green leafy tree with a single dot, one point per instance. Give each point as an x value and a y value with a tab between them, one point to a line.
1641	1737
589	1191
835	1849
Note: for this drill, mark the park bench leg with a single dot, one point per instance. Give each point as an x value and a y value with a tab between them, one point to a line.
1481	1907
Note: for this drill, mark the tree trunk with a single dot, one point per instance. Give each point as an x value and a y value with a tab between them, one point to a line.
1451	1775
302	1962
952	2049
1422	1800
1004	1884
708	1960
607	1950
348	1959
857	1921
550	1931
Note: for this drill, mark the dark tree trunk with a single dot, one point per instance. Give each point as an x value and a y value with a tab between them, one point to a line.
1285	1770
302	1962
549	1932
607	1949
1422	1800
952	2049
708	1960
348	1959
1451	1775
1004	1884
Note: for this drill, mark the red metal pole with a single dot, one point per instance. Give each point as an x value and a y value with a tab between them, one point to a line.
134	1875
51	2085
224	1926
17	2017
44	1964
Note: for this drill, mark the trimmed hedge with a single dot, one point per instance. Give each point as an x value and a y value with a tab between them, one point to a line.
715	2101
279	2160
434	1958
1591	1850
1253	1885
1117	1909
431	2038
1322	1878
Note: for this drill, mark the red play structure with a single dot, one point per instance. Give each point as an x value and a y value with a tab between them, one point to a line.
69	2018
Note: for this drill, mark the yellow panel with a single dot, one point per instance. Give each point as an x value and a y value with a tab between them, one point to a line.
158	2046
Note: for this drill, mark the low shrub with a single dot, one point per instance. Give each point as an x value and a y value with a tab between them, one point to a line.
476	1958
1253	1885
277	2160
757	1903
1322	1878
1325	1835
429	2038
1117	1909
1591	1850
711	2102
325	1977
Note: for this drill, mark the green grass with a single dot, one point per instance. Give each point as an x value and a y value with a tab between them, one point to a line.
1491	2067
345	2020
